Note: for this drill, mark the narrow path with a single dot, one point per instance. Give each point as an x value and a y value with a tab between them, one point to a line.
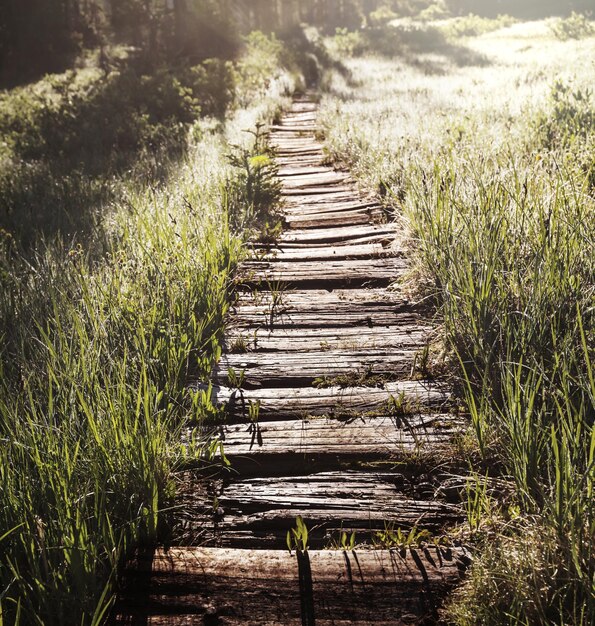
334	422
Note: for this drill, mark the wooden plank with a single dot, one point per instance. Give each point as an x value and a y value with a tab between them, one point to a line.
303	299
329	191
259	511
290	170
309	179
326	220
299	152
287	369
250	319
305	339
297	447
332	196
202	586
344	201
324	309
305	127
329	273
311	160
383	232
319	208
357	251
335	401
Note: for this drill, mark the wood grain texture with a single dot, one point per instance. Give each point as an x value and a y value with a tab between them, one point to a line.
301	402
191	586
283	338
286	369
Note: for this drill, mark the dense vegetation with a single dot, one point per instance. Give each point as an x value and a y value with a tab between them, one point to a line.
127	186
123	202
492	166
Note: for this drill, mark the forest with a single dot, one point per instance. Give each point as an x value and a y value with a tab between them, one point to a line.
138	180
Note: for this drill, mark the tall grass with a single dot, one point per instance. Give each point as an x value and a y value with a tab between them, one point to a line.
497	192
98	338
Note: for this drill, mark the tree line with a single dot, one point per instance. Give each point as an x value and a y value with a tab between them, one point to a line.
38	36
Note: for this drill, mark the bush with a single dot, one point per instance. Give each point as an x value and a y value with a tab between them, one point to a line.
347	44
576	26
569	118
259	66
212	83
436	11
381	16
474	25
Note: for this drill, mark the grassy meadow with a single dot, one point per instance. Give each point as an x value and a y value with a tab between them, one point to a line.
124	203
481	134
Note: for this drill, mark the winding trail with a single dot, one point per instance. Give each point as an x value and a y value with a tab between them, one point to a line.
345	431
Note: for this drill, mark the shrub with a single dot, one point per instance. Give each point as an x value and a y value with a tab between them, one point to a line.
474	25
436	11
569	118
576	26
348	44
381	16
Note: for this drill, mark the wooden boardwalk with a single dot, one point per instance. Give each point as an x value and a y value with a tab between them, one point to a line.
333	422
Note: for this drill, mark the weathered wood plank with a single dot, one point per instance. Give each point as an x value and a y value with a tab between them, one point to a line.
299	402
317	206
282	316
329	191
305	339
323	309
202	586
329	177
369	436
336	236
337	200
259	511
312	160
290	170
287	369
329	273
326	220
371	296
357	251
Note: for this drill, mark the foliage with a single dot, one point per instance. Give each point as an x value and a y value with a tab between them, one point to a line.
436	11
259	66
347	44
297	538
472	25
570	120
99	335
381	16
259	186
94	368
575	26
47	35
